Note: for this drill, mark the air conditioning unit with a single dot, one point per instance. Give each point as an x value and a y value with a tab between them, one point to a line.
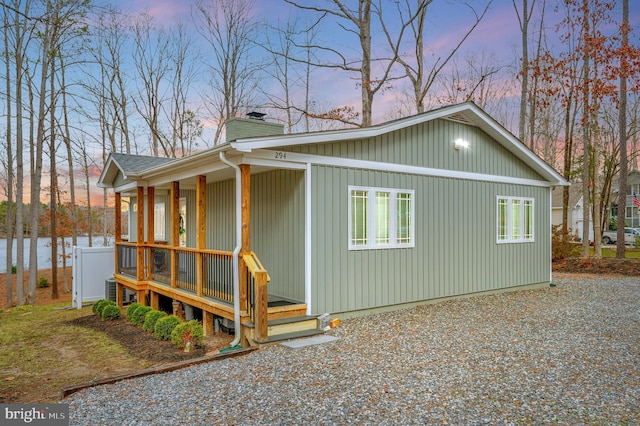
110	291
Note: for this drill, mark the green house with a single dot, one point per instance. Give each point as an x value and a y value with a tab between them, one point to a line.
346	222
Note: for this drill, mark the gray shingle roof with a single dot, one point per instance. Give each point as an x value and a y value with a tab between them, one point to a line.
135	164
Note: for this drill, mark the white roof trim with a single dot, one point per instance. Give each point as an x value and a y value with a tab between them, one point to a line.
266	157
473	113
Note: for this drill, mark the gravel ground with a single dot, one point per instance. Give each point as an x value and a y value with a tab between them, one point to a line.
560	355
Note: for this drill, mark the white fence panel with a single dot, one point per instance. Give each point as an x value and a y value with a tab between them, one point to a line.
92	266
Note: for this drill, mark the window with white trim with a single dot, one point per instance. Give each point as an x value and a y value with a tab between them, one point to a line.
515	220
381	218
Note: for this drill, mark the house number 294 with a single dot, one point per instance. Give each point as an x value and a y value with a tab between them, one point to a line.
281	155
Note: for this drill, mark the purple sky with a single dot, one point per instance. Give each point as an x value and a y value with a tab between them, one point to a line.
497	35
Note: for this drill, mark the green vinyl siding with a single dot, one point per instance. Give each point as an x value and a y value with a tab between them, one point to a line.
455	250
277	229
277	226
430	145
221	215
119	179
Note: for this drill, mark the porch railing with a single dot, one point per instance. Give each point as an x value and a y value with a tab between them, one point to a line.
127	259
178	267
185	264
161	258
218	275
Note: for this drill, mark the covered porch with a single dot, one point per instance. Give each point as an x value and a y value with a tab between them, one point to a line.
225	285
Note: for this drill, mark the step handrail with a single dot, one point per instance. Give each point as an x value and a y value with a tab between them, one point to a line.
254	264
257	295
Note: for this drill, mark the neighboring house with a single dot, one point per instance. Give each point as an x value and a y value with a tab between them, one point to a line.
346	222
574	214
632	215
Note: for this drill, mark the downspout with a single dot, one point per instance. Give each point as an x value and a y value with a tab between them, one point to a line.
236	250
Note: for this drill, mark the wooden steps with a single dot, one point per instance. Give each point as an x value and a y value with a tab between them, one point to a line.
286	328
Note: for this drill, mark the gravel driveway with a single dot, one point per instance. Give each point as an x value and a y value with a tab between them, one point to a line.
568	354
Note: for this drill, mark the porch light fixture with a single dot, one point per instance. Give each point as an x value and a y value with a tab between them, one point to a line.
459	144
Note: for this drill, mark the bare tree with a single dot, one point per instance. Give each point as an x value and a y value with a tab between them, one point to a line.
228	28
85	165
524	18
186	127
19	27
357	21
109	92
283	70
47	38
474	80
61	18
8	164
53	179
151	57
416	69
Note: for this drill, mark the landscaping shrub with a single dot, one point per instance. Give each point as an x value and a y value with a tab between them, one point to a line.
137	317
99	306
561	248
187	335
150	320
111	312
164	327
43	282
131	309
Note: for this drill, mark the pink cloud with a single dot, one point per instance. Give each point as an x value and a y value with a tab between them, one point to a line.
163	11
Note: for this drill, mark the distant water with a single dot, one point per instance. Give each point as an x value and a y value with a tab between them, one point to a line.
44	251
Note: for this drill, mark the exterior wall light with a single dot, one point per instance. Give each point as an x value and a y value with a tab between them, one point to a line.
460	144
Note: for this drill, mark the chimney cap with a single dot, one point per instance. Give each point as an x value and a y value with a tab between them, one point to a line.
255	115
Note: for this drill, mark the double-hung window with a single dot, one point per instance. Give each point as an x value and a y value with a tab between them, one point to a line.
515	220
381	218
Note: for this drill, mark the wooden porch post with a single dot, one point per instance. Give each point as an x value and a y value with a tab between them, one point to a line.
245	170
151	230
118	231
119	294
174	215
155	300
118	217
140	238
201	229
201	243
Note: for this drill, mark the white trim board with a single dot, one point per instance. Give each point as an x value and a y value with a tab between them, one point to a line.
271	156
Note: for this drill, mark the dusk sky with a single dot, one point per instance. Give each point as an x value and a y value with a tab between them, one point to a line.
497	36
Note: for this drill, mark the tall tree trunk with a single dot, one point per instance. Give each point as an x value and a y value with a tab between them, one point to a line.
53	190
36	154
586	185
67	143
367	83
19	58
9	136
568	155
524	70
622	127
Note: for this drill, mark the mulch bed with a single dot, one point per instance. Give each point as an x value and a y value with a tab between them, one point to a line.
629	267
138	342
